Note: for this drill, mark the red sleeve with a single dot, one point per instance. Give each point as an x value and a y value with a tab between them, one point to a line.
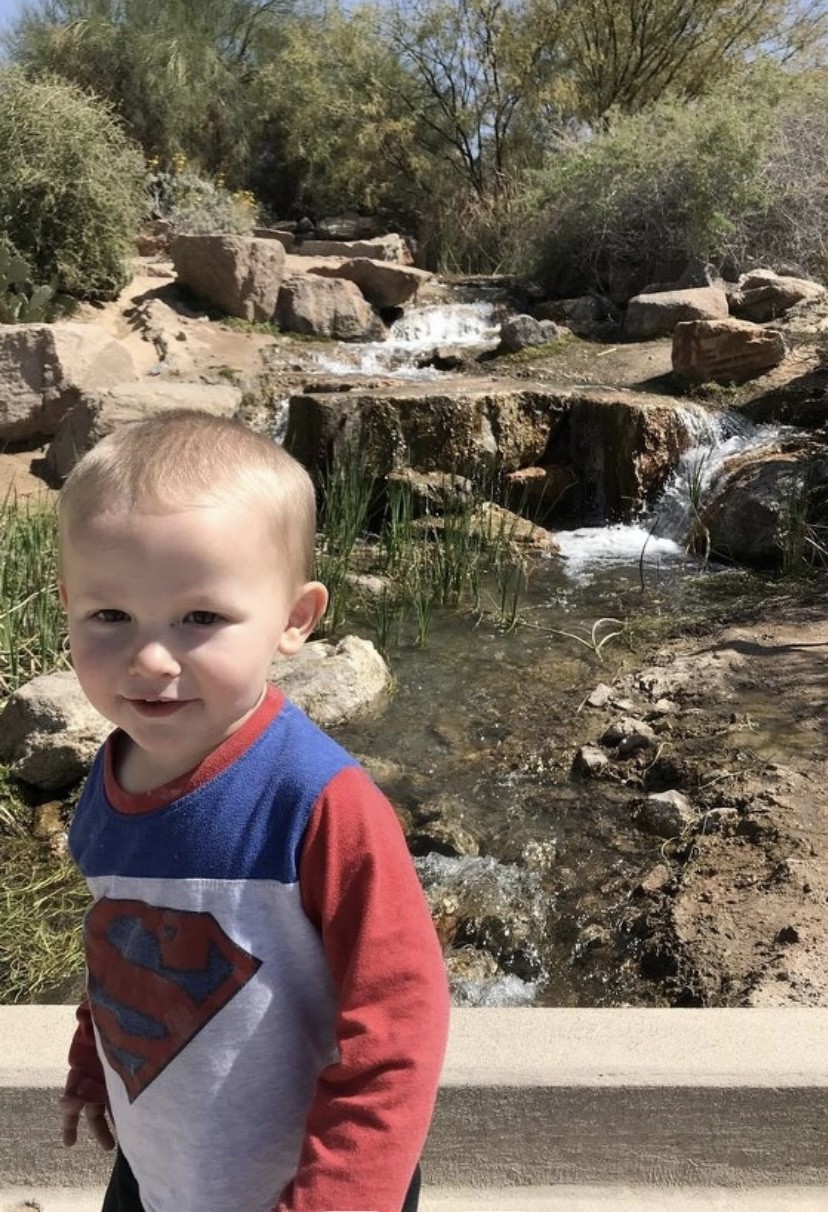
368	1122
86	1078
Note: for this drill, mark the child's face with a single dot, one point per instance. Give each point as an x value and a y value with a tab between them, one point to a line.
174	616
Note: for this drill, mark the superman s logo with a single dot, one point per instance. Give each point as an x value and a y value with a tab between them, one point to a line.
156	978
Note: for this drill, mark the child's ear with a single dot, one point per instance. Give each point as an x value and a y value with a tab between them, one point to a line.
307	609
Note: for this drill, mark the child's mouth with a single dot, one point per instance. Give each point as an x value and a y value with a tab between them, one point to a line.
157	708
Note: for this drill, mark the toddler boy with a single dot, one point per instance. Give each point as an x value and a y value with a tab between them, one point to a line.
266	1006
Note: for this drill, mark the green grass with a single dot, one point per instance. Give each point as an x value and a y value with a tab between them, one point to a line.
42	902
32	630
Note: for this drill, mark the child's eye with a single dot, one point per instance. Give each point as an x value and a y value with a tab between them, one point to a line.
110	615
202	618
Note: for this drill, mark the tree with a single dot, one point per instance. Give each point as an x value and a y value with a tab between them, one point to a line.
626	54
177	71
478	71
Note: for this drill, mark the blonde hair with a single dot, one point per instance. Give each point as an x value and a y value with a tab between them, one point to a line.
184	456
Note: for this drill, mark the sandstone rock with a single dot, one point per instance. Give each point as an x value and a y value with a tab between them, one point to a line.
752	517
656	315
501	525
520	332
241	275
286	238
432	489
667	814
49	733
334	683
537	491
763	295
624	444
725	351
383	284
350	227
94	416
390	247
443	357
326	307
44	368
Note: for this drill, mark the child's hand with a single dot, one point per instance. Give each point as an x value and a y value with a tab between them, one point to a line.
95	1113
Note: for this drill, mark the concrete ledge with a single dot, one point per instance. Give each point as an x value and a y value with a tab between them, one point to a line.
536	1097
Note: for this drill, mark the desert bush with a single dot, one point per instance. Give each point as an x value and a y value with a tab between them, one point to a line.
71	184
738	179
197	205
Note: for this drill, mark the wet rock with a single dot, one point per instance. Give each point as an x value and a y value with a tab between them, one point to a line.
667	814
475	979
752	517
589	761
434	489
537	491
49	733
628	729
593	937
499	525
492	906
439	828
334	683
444	357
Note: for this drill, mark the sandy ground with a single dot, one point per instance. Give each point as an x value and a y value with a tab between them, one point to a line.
744	918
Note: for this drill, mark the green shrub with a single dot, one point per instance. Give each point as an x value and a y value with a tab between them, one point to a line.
71	184
195	205
737	179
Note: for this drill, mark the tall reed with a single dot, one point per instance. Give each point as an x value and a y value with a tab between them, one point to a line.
32	629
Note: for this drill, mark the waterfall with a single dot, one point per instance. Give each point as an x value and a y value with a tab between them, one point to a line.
417	332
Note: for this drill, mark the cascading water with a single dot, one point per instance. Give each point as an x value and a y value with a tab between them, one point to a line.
415	334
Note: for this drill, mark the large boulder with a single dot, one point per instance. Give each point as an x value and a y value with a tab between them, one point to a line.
586	315
763	295
725	351
326	307
334	683
391	247
49	733
383	284
765	504
44	368
656	315
94	416
241	275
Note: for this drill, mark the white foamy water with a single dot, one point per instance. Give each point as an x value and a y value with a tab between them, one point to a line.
660	535
589	548
416	333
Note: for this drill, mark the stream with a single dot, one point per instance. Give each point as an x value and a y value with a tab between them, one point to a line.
488	719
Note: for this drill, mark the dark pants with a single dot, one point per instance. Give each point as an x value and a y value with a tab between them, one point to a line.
122	1192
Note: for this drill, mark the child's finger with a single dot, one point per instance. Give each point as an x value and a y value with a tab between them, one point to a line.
70	1109
99	1125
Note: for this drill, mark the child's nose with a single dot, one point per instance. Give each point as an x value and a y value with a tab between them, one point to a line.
154	659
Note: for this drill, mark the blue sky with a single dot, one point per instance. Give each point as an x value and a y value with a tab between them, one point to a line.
9	10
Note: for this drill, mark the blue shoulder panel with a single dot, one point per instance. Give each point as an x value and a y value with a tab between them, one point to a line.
246	823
